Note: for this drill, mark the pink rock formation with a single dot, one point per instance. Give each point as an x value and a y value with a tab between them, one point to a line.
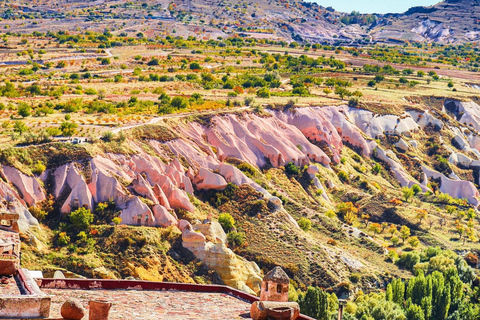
178	199
402	176
189	236
254	140
143	188
315	126
104	186
163	218
376	126
182	224
137	213
161	197
346	128
233	175
12	202
68	176
206	179
29	187
456	188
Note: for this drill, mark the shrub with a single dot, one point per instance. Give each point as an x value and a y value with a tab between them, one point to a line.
195	66
248	169
63	239
292	169
305	224
416	189
263	93
395	240
81	218
236	239
227	221
107	136
20	127
393	255
343	176
377	168
24	110
355	277
413	242
408	260
357	158
179	103
38	213
331	214
407	193
68	128
353	102
332	242
38	168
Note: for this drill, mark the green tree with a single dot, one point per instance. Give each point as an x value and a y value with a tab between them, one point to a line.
263	93
314	303
416	189
413	242
24	110
404	233
414	312
305	224
407	193
195	66
227	221
20	127
68	128
179	103
81	219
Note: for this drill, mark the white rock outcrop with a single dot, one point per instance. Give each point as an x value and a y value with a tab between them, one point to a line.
456	188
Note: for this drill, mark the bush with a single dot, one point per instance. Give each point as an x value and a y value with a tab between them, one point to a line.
343	176
236	239
407	193
355	277
332	242
416	189
305	224
179	103
353	102
38	213
38	168
81	218
263	93
63	239
227	221
292	169
413	242
377	168
107	136
331	214
408	260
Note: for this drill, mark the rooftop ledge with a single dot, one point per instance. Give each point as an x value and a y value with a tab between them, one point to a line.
170	300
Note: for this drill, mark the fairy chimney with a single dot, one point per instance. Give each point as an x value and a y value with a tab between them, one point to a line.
275	286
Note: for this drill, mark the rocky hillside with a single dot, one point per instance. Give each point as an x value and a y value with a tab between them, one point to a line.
304	187
446	22
288	20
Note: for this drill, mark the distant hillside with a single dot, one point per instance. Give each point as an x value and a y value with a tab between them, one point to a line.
446	22
288	20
